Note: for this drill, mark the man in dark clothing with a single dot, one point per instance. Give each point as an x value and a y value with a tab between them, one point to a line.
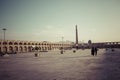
92	51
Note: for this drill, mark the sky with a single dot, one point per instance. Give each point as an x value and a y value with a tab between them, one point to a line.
50	20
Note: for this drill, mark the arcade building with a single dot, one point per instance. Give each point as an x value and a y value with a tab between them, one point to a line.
19	46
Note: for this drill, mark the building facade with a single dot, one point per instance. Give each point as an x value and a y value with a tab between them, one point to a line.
28	46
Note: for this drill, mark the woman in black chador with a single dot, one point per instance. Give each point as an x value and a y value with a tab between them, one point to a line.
96	51
92	51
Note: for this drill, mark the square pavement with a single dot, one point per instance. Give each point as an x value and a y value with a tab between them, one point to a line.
56	66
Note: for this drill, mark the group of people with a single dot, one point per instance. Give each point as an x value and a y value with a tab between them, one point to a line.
94	51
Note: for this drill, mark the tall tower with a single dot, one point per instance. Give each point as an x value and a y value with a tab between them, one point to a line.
76	38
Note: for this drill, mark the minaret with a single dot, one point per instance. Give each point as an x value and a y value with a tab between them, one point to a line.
76	38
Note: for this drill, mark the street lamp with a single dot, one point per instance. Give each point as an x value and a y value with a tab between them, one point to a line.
62	46
62	42
4	29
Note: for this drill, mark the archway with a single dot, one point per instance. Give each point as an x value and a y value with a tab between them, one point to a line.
40	48
16	49
0	49
5	49
10	43
25	48
21	49
15	43
29	48
45	48
10	49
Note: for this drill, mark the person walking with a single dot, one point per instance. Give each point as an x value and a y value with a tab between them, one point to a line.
92	51
95	51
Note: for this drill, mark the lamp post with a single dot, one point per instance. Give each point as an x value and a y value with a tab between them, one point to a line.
4	29
62	46
62	42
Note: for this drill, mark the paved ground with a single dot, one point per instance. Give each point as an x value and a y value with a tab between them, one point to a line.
68	66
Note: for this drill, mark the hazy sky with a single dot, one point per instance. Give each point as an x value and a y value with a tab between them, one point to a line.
49	20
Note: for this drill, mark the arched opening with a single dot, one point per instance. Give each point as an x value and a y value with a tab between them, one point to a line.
10	49
4	43
21	49
29	48
20	43
45	48
25	43
40	48
16	49
48	48
10	43
15	43
25	48
0	49
29	44
32	43
5	49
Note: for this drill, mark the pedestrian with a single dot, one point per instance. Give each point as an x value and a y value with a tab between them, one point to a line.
92	51
61	51
95	51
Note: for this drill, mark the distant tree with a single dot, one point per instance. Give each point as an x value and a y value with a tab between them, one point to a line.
89	42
